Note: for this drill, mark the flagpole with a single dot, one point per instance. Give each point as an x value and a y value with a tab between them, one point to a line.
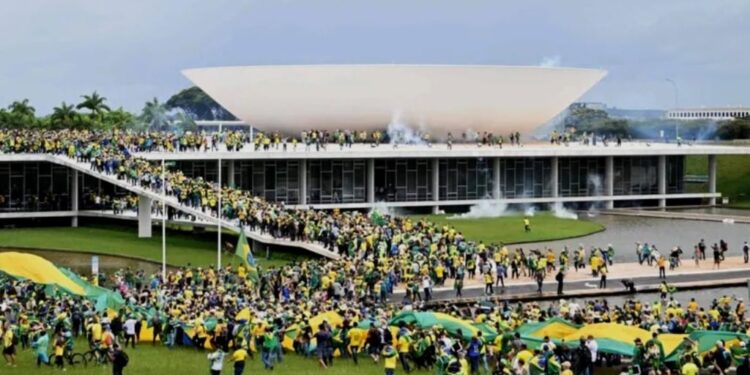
163	223
218	214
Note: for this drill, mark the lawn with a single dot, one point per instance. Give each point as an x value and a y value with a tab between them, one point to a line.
198	249
147	360
733	179
509	229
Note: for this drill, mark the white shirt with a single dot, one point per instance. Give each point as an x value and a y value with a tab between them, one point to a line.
593	348
217	360
130	326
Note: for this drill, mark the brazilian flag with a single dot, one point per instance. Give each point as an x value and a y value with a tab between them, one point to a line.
377	218
243	251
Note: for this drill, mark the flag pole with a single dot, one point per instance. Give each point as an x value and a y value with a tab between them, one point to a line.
163	223
218	214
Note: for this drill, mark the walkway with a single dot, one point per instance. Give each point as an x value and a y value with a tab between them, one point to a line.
680	215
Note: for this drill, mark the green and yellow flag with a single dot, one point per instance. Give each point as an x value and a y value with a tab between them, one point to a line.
243	251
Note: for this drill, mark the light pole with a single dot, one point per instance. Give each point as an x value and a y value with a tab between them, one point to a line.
676	103
218	215
163	223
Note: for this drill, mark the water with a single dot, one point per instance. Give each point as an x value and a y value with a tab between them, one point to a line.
80	262
713	211
623	232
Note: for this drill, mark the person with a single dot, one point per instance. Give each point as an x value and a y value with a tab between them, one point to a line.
488	283
238	358
216	361
526	224
270	340
404	345
702	248
390	357
539	281
119	359
9	345
129	326
603	277
746	251
689	368
662	264
593	347
40	345
427	286
560	277
566	369
59	350
717	256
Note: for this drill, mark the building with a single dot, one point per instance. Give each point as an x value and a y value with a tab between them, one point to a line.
416	177
715	114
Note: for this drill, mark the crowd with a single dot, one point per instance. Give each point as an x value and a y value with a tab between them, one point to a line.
194	306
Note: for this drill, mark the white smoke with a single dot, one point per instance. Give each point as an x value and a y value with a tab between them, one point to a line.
484	209
595	181
550	61
529	210
383	209
399	132
559	211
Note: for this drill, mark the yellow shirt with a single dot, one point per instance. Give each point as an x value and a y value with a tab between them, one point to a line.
59	350
239	355
390	362
8	338
566	372
96	331
403	344
689	369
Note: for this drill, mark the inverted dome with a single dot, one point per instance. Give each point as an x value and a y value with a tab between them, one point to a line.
436	98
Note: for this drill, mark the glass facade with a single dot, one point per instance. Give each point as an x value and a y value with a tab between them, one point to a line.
403	180
274	180
34	186
675	174
462	179
636	175
336	181
581	177
525	177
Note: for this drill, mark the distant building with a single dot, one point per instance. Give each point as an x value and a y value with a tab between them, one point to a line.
219	125
708	113
589	105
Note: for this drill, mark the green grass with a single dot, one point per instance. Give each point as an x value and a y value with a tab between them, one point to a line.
147	360
733	179
509	229
198	249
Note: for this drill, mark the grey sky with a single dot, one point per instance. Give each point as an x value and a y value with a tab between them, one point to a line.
133	50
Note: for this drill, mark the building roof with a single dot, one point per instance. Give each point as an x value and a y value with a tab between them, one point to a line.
434	98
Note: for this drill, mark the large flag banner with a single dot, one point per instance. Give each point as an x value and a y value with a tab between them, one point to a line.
243	251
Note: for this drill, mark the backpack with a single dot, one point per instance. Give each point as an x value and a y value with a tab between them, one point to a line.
124	358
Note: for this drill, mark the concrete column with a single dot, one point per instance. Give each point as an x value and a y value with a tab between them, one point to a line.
303	182
712	168
555	176
74	199
662	180
370	180
230	173
435	184
496	192
144	217
609	180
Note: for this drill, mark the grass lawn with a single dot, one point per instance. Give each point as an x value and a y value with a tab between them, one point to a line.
198	249
509	229
733	179
147	360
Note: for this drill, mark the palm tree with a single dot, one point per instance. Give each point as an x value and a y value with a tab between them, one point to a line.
95	104
64	116
119	118
21	114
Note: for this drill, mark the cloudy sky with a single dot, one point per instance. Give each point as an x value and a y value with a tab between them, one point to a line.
133	50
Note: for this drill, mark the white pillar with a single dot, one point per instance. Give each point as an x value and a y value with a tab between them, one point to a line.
144	217
370	180
230	173
662	180
555	176
74	199
609	180
303	182
712	178
496	191
218	220
436	184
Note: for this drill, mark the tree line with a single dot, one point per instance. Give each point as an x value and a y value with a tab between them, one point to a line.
93	112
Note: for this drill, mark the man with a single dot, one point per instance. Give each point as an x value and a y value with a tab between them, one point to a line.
404	345
238	358
526	225
129	326
119	360
9	346
217	361
746	251
603	277
560	277
593	347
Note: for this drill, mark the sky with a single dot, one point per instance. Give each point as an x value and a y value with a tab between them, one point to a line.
133	50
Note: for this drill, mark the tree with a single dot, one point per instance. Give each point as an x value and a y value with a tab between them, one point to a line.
738	128
154	115
198	105
20	114
119	119
95	104
64	116
597	121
